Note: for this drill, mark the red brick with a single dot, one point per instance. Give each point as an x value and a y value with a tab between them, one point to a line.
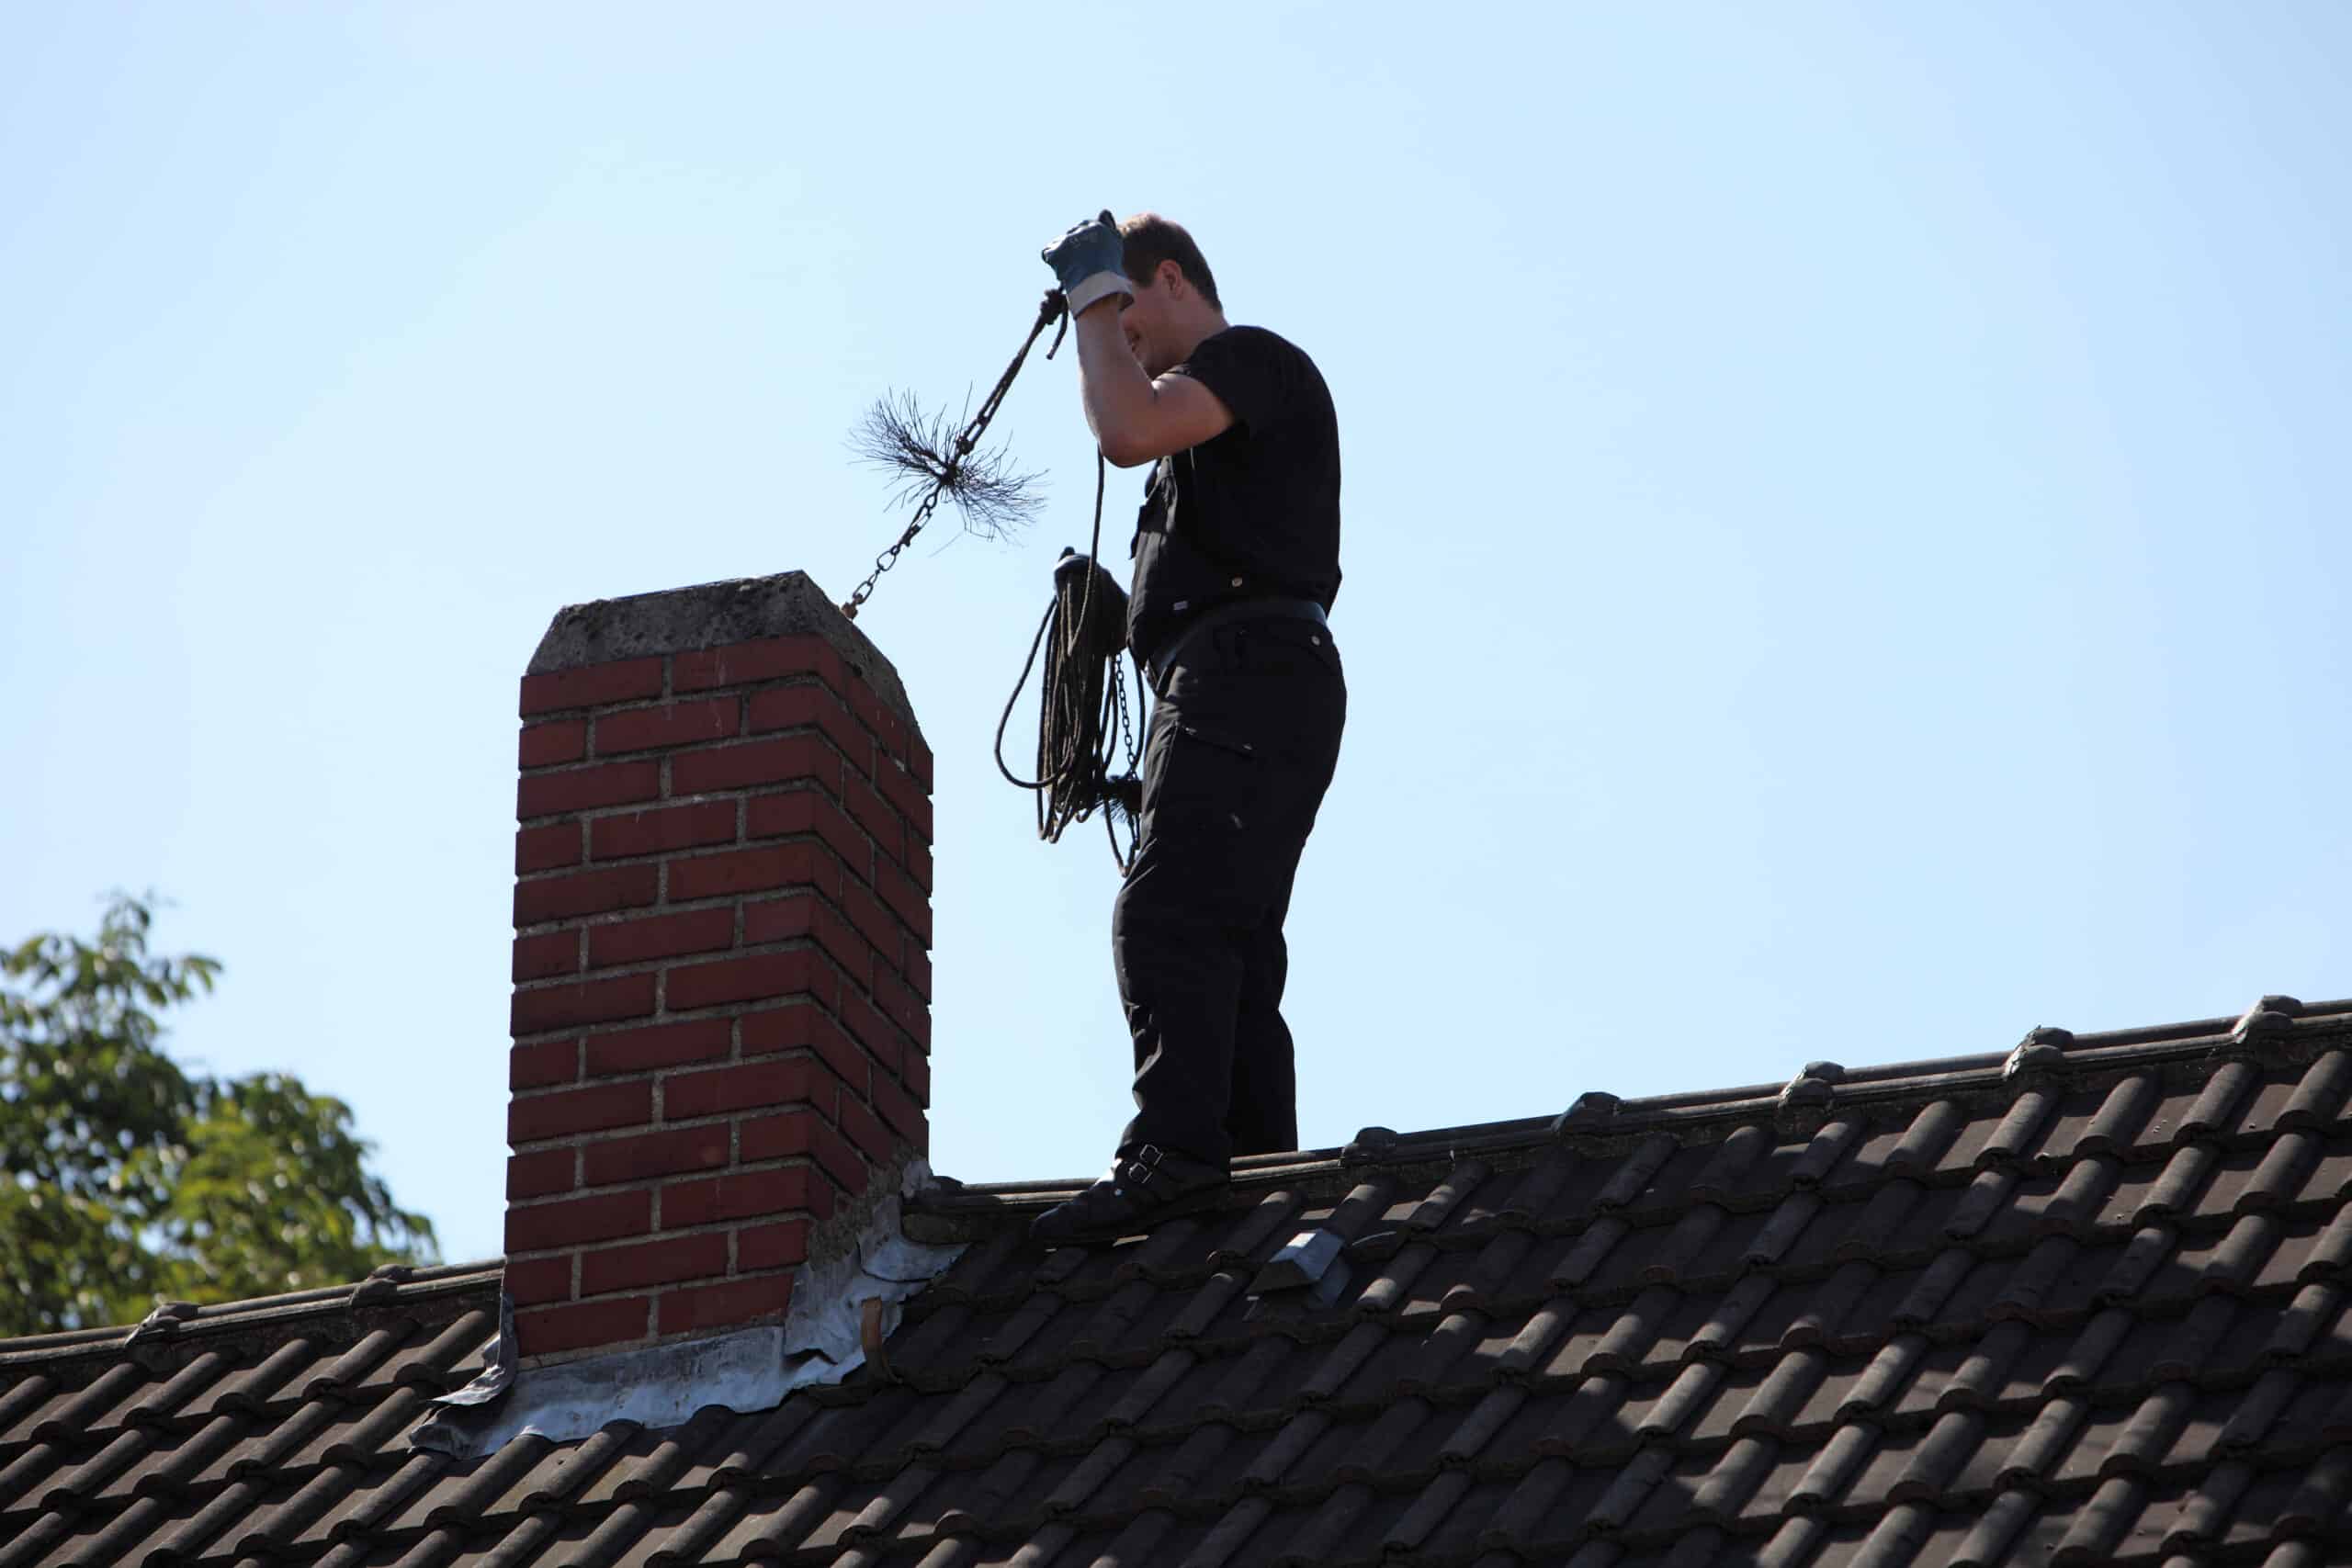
917	864
797	1134
787	1027
778	1080
541	1174
918	972
896	735
547	955
781	920
673	1151
583	789
598	1108
585	893
747	979
768	659
545	745
802	708
537	1279
772	1246
907	901
876	924
737	1195
658	1045
786	1137
591	684
881	717
804	1028
902	1006
871	812
841	1161
912	801
789	760
672	724
656	833
729	872
543	1064
616	1320
665	1262
866	1131
719	1306
866	1025
661	936
551	848
567	1222
915	1070
588	1001
851	1063
900	1109
806	811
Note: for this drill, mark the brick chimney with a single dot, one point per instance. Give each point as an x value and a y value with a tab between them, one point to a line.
722	920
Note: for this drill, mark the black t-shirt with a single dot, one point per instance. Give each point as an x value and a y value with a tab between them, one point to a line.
1252	513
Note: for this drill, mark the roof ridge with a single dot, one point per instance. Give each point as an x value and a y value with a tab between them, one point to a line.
2274	1026
393	1285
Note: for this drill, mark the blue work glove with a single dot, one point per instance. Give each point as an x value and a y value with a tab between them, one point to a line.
1089	260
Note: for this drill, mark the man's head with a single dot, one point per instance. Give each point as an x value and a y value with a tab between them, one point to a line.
1175	304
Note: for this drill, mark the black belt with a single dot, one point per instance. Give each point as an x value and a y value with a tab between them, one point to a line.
1233	610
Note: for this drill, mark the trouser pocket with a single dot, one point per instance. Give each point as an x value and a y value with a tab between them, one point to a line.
1202	780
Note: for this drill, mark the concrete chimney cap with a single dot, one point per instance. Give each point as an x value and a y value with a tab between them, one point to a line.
714	615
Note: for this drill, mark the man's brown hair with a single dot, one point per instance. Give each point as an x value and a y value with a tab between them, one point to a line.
1152	239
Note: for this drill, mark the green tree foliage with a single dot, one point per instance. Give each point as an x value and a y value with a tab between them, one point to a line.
125	1179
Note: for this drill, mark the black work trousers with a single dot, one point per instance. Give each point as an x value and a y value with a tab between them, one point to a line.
1242	745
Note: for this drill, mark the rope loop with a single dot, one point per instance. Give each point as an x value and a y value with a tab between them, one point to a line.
1084	722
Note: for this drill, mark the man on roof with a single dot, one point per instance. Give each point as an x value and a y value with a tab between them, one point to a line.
1237	562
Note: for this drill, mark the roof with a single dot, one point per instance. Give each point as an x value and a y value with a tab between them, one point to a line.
2082	1303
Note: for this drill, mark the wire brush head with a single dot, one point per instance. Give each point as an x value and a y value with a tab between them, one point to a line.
1123	798
1119	797
923	452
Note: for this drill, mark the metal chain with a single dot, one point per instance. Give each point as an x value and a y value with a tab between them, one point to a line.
1054	308
1126	858
1120	687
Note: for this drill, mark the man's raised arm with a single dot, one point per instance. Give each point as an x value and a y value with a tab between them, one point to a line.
1134	417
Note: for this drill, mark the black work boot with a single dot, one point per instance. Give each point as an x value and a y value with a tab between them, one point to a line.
1141	1190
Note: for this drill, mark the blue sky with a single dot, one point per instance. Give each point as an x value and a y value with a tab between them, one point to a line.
1844	514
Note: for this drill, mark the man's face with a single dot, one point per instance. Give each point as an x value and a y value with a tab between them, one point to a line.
1146	323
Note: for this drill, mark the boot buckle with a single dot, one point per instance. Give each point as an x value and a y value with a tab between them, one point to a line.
1143	1165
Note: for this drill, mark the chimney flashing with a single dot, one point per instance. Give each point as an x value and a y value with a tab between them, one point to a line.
874	1269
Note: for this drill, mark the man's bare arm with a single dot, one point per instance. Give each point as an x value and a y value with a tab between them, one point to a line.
1136	418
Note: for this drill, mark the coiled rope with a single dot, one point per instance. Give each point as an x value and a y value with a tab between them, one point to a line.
1083	720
